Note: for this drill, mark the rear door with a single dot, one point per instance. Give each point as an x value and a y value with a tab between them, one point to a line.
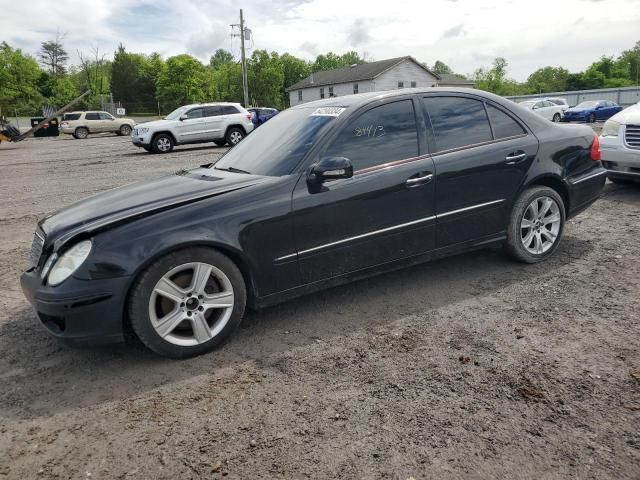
481	154
385	211
93	122
213	122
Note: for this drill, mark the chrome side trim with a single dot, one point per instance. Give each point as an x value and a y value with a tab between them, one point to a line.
388	229
597	174
472	207
357	237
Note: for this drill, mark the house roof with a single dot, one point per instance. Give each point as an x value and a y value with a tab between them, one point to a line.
451	79
365	71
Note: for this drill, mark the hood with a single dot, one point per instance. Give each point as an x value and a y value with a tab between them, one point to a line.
630	115
578	110
156	123
138	199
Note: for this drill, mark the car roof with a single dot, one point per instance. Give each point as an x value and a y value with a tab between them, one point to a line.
209	104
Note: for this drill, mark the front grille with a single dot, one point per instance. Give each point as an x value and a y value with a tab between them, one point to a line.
632	136
135	132
36	247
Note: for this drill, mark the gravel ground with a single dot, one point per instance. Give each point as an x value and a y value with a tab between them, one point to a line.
470	367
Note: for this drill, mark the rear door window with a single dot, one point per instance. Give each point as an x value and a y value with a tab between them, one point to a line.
380	135
212	111
92	116
503	125
457	122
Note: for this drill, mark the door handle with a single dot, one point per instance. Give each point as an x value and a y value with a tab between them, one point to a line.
419	180
515	158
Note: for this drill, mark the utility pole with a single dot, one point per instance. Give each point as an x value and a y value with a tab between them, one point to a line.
245	83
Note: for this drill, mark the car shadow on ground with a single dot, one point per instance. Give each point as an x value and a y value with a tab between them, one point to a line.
180	149
40	377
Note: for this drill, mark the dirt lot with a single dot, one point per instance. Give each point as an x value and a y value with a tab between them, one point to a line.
472	367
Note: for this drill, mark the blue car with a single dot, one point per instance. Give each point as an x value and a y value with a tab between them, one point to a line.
261	115
591	111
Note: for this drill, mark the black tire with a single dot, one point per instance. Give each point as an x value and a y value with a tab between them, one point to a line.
220	143
140	296
514	245
592	118
125	130
234	136
81	133
556	118
162	143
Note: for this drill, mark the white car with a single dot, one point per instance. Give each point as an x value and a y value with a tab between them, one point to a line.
220	123
558	101
81	124
545	108
620	145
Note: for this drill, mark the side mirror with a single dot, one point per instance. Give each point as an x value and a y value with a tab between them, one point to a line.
331	168
183	117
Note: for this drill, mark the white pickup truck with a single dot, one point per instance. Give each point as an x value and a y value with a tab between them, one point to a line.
620	145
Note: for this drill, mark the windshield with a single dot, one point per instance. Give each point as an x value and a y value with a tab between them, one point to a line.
175	115
278	146
589	104
528	105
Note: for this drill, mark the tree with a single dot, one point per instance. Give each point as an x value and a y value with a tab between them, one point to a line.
19	75
330	61
125	75
265	77
53	55
220	57
181	81
441	67
548	79
294	69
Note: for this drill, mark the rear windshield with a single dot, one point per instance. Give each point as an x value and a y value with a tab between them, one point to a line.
71	116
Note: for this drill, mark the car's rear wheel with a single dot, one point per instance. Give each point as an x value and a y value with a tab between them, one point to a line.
234	136
556	117
536	225
162	143
81	133
125	130
187	302
220	143
591	118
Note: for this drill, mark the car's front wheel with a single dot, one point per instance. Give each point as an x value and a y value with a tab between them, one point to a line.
536	225
234	136
187	302
162	143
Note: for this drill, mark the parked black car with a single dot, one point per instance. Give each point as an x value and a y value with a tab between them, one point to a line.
322	194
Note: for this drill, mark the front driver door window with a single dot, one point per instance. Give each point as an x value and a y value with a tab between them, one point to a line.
192	128
384	213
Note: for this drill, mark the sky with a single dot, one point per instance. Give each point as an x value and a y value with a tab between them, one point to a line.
465	34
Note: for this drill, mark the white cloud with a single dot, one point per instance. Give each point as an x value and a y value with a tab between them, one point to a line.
465	34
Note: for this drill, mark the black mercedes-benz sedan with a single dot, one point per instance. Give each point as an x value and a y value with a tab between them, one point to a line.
324	193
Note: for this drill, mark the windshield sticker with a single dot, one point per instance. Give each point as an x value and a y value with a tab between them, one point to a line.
327	112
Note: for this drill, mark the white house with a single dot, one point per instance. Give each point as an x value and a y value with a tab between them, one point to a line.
391	74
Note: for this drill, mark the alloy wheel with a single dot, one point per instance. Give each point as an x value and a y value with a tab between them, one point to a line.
164	145
235	137
540	225
191	304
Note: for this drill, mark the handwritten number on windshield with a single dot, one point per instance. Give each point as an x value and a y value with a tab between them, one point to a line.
369	131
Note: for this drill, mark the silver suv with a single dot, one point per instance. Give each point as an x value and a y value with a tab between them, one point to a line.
220	123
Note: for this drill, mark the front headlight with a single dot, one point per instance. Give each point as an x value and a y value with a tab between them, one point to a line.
68	263
142	130
610	128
